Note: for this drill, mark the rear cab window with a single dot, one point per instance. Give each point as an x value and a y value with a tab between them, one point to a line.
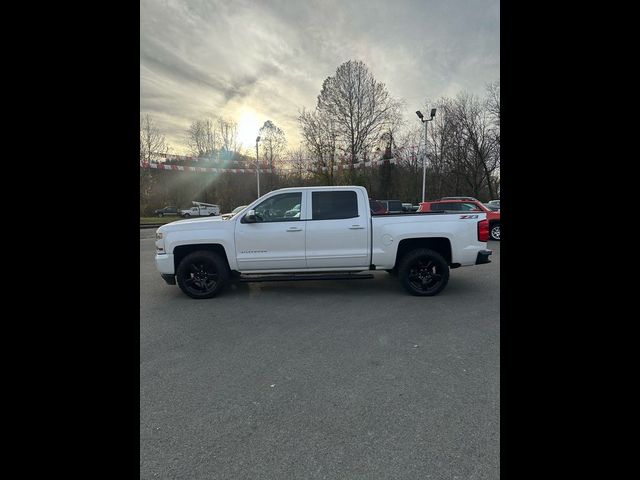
334	205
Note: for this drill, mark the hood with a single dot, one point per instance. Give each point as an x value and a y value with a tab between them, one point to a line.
191	224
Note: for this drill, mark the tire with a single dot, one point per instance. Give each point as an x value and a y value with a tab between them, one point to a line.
202	274
494	231
186	215
212	214
423	272
161	215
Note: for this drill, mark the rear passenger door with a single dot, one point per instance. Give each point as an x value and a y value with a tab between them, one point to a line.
338	230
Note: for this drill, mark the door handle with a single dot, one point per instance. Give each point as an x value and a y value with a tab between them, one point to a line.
294	229
355	227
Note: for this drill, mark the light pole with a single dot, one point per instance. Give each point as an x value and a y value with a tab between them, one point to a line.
258	166
424	160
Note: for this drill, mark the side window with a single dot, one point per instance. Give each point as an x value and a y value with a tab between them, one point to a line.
280	208
469	207
334	205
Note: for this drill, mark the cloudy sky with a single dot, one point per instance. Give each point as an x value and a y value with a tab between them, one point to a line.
258	60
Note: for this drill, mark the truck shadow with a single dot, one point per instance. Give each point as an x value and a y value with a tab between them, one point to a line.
382	285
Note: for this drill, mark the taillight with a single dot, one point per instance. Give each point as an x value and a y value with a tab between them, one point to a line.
483	230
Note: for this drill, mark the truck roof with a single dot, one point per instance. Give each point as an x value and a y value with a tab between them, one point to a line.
334	187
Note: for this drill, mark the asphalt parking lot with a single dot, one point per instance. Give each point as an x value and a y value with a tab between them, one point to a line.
320	380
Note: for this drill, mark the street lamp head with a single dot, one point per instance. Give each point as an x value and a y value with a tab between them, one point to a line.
419	113
433	112
257	139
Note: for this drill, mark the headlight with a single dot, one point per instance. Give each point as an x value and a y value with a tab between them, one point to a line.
158	235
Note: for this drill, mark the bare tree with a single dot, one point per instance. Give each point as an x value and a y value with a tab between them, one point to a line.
152	143
273	142
320	137
202	139
409	159
493	100
469	147
228	134
359	106
298	164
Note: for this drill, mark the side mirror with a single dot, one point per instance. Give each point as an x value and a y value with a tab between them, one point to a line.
249	217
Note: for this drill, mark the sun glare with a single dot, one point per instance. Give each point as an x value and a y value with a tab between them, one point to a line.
248	127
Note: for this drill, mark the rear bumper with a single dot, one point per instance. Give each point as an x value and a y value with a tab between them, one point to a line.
483	257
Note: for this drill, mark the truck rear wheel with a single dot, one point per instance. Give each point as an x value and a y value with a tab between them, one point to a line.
202	274
423	272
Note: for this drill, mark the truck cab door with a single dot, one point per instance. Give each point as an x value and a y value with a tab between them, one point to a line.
338	230
275	241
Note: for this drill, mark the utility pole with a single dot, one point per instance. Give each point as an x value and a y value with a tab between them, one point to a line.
424	158
258	166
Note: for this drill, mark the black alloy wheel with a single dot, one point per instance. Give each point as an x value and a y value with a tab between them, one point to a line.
424	272
202	274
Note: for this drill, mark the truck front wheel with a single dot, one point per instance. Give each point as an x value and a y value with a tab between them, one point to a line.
423	272
202	274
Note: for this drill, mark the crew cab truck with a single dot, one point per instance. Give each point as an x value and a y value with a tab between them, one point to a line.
334	237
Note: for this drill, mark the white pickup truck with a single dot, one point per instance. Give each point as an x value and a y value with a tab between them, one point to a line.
334	236
201	209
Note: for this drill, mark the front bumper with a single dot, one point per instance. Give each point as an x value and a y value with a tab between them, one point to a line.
483	257
164	263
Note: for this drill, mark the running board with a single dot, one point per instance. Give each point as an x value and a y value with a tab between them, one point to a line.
303	276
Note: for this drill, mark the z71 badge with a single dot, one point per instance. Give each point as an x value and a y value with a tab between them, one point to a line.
468	216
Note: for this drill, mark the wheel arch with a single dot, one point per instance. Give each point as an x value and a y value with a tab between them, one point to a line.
441	245
182	251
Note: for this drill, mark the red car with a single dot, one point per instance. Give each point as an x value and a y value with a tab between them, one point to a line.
465	206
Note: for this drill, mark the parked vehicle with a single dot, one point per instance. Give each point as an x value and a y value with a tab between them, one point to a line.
408	207
392	206
494	203
334	237
166	211
466	206
201	209
227	216
377	208
493	208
